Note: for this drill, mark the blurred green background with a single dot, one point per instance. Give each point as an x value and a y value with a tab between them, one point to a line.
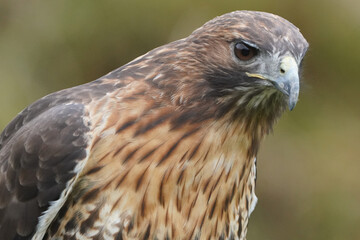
308	170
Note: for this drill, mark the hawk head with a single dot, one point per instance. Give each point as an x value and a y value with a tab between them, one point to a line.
251	51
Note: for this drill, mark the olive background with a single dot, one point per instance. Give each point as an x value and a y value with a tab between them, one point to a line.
308	169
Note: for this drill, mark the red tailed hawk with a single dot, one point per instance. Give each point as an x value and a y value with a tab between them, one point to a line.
163	147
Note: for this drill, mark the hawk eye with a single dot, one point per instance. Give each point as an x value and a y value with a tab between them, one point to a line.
244	52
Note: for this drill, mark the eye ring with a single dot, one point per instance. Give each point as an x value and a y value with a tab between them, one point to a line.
244	51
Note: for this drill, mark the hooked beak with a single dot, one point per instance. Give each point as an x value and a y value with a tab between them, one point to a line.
287	80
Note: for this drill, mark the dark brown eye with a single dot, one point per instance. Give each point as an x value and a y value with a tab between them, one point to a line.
244	52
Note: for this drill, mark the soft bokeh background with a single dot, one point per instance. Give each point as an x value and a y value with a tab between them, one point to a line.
308	170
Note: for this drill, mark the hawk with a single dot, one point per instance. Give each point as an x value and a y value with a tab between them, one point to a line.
163	147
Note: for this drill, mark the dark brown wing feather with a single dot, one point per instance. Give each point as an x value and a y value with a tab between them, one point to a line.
39	150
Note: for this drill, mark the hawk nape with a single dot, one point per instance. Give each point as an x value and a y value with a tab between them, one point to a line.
161	148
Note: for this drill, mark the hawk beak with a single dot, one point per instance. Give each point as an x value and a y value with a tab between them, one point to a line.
288	80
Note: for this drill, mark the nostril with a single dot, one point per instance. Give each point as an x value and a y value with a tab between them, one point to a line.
282	70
